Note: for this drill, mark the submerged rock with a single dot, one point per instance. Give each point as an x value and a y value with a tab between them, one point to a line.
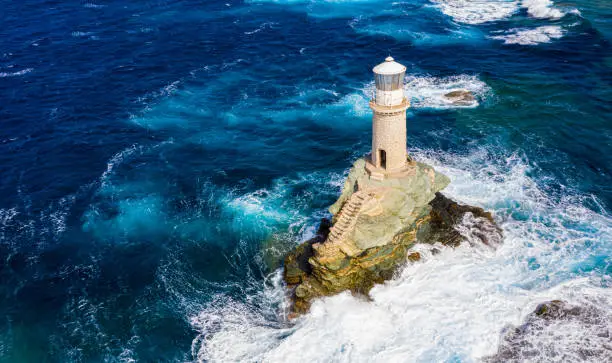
375	223
559	332
460	97
451	223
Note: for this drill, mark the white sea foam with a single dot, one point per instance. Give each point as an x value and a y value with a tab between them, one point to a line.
6	220
264	26
581	336
15	74
477	11
525	36
78	34
452	306
117	159
7	215
483	11
542	9
93	6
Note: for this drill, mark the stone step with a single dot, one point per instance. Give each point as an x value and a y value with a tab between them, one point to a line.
347	217
377	176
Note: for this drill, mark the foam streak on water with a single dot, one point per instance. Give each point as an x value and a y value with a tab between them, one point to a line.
477	12
15	74
542	34
451	306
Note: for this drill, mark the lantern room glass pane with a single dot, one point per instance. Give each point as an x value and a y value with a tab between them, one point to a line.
389	82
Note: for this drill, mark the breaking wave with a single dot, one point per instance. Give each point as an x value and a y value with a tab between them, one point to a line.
477	12
451	306
483	11
542	9
580	333
542	34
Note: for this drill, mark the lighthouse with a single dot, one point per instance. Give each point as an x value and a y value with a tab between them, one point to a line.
388	158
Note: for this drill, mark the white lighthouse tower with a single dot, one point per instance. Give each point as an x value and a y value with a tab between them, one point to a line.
389	158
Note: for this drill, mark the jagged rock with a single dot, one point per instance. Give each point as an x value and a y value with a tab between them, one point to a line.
296	262
556	309
414	257
560	332
375	223
460	97
444	224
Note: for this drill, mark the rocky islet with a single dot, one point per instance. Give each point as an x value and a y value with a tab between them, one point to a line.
374	225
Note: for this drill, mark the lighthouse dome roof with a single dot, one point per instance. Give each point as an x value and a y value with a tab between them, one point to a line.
389	66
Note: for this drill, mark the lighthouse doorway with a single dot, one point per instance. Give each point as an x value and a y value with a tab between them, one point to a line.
382	156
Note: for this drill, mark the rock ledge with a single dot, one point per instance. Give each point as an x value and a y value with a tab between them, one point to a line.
374	225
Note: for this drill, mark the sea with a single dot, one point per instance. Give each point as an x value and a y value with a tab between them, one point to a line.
158	158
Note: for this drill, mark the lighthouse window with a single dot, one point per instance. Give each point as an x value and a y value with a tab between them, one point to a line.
383	159
389	82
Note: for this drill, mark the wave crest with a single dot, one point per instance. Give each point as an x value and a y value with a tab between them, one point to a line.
479	11
542	34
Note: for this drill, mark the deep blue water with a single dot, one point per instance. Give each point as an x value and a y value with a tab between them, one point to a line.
159	157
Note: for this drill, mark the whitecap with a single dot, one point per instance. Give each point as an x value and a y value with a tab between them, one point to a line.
78	34
15	74
526	36
542	9
93	6
477	11
116	160
7	215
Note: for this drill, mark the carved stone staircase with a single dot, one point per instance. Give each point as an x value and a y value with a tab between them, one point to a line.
347	217
375	175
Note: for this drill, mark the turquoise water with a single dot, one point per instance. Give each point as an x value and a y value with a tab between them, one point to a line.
158	159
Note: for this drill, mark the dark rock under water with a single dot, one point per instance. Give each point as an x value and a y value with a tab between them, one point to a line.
557	331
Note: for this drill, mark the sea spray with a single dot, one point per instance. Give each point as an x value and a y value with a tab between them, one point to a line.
468	294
